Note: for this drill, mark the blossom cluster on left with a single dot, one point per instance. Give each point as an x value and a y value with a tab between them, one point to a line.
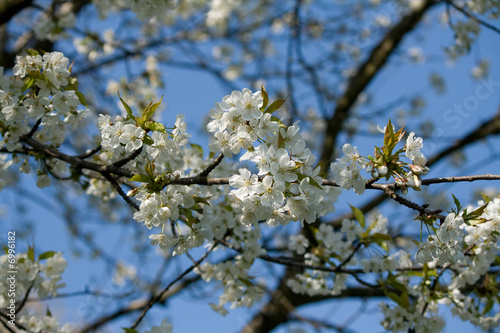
41	275
40	101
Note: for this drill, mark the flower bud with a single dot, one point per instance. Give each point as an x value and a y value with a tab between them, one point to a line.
417	181
132	192
419	169
383	170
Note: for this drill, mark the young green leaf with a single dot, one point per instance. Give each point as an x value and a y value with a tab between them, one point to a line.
150	110
265	98
457	203
81	98
129	330
46	255
154	126
275	106
31	253
127	108
359	216
32	52
140	178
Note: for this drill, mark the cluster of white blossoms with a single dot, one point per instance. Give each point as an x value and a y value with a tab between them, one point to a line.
469	246
446	245
347	169
399	319
286	187
50	324
316	282
46	103
454	236
42	275
283	187
165	327
336	247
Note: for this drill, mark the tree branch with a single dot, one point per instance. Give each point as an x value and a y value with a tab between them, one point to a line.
473	17
366	72
156	298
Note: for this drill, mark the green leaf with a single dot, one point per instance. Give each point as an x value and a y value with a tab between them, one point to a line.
275	106
190	219
30	82
485	198
276	119
5	249
72	84
150	110
383	245
148	140
475	214
31	253
81	98
395	283
127	108
457	202
198	148
389	133
155	126
488	306
202	200
378	236
359	216
405	300
32	52
150	168
129	330
140	178
265	97
48	313
395	297
46	255
246	282
314	183
281	140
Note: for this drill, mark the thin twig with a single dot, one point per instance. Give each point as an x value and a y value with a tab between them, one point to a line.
422	210
25	298
473	17
212	166
158	297
122	162
90	152
118	189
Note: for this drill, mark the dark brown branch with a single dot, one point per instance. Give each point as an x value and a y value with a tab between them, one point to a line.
489	127
156	298
473	17
120	191
90	152
135	305
212	166
366	72
122	162
405	202
76	161
25	298
6	325
10	8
